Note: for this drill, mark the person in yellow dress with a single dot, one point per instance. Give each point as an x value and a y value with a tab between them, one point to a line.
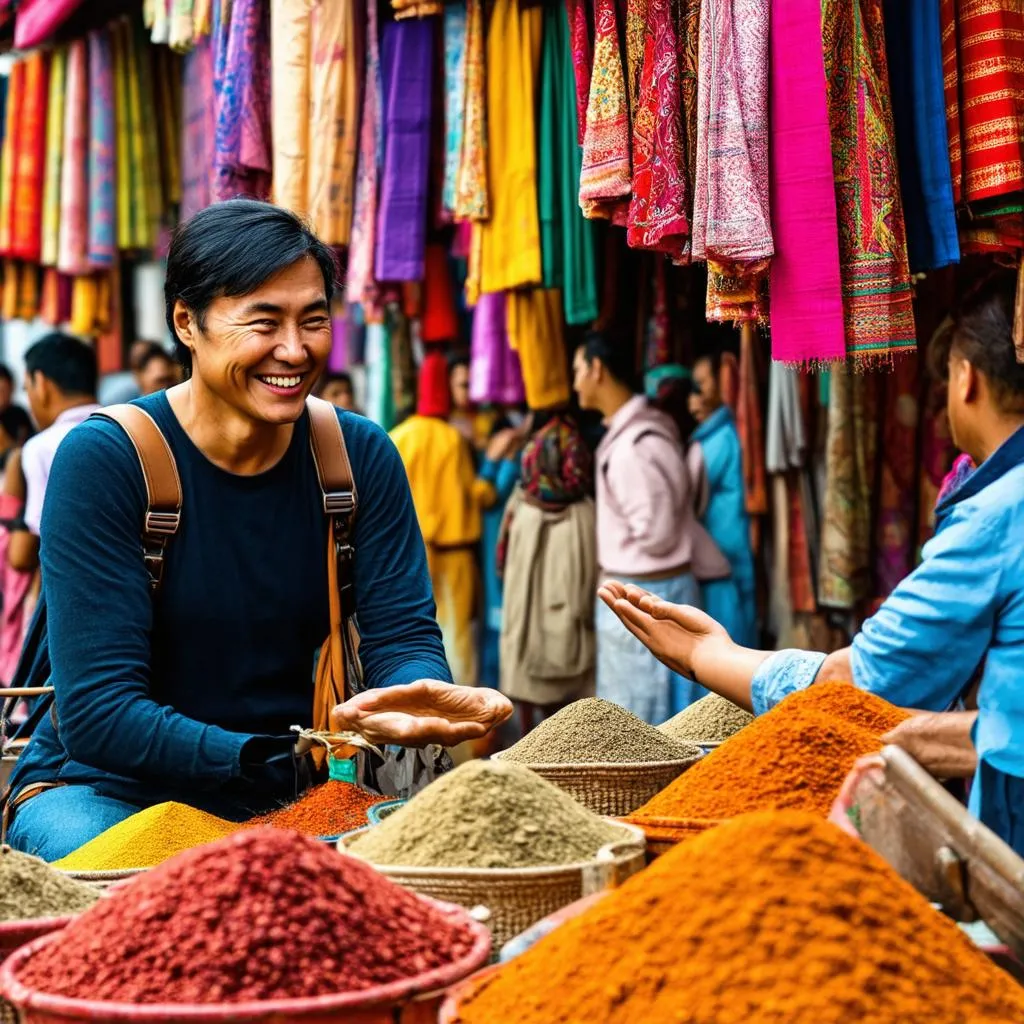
449	499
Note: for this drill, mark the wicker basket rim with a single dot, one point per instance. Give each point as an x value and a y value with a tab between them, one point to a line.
636	843
111	875
621	767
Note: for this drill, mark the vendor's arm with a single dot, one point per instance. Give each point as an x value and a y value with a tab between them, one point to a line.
940	742
99	618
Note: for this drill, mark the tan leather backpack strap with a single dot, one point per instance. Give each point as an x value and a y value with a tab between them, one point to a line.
163	485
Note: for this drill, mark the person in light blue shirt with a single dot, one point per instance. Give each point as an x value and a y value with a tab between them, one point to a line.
954	627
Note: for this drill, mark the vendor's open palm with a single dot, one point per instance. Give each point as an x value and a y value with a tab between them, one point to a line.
427	711
671	632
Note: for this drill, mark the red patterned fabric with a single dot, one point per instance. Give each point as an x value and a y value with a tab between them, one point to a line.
983	60
582	59
658	210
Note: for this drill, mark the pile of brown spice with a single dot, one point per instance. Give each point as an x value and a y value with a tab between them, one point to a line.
796	757
327	810
773	918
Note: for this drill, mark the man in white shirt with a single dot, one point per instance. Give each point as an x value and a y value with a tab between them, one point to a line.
60	380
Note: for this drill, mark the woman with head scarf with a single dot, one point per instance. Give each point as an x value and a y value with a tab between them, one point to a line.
547	556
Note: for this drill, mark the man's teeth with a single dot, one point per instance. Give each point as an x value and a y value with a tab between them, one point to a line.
283	382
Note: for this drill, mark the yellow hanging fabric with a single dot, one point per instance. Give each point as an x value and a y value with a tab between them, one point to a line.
9	300
125	228
84	296
535	326
511	253
334	119
289	90
9	155
54	155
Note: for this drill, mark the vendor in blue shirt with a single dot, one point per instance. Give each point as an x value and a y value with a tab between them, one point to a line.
190	696
956	621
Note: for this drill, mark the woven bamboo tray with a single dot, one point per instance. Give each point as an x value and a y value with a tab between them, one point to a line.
104	879
519	897
614	790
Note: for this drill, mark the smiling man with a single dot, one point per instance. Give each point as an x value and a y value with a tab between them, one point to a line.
190	695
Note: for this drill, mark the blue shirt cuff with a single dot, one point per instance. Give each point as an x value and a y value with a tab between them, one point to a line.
783	673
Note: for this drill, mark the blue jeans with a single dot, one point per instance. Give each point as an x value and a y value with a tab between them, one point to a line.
628	674
58	821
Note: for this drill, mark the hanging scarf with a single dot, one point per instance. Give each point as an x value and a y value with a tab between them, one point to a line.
146	196
125	209
180	30
845	570
198	129
407	55
472	200
582	59
913	39
731	225
494	373
289	72
380	399
202	20
29	173
9	161
638	13
156	17
334	119
359	283
536	331
74	210
872	236
688	35
658	210
54	152
169	89
454	99
510	253
605	181
806	288
983	64
37	20
102	151
242	145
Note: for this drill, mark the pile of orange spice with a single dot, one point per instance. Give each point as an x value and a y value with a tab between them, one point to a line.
326	810
772	918
794	757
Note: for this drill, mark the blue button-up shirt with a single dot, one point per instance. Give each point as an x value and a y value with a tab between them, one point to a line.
960	613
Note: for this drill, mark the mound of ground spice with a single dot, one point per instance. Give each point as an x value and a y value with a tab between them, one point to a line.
29	887
594	730
327	810
147	839
795	756
263	914
487	814
773	918
711	719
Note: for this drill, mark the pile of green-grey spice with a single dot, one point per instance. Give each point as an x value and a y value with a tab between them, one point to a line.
487	814
711	719
593	731
30	888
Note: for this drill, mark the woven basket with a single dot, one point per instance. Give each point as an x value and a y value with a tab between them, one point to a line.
614	790
516	898
104	879
664	833
14	935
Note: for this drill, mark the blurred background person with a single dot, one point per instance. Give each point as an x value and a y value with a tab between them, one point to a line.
151	368
337	388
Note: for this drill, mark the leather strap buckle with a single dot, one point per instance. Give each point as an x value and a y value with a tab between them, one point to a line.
163	524
339	503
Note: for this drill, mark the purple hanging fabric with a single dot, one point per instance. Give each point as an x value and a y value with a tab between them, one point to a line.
198	128
242	84
338	360
494	372
102	152
407	61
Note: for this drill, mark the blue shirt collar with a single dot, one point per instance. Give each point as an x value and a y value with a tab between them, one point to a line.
1007	456
715	421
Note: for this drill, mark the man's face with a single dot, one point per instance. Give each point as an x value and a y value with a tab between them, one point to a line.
262	353
585	379
458	381
39	392
158	374
707	397
339	394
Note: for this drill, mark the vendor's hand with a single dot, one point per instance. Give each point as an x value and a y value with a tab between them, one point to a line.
677	635
940	742
420	713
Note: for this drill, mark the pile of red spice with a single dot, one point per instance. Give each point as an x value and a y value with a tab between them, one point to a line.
794	757
327	810
262	914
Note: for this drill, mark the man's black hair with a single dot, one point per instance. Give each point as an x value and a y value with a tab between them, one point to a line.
982	333
5	374
616	355
66	361
233	247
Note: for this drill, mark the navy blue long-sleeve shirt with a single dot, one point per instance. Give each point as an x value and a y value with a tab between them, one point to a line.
156	698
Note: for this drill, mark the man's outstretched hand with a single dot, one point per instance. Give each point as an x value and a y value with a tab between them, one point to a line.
420	713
